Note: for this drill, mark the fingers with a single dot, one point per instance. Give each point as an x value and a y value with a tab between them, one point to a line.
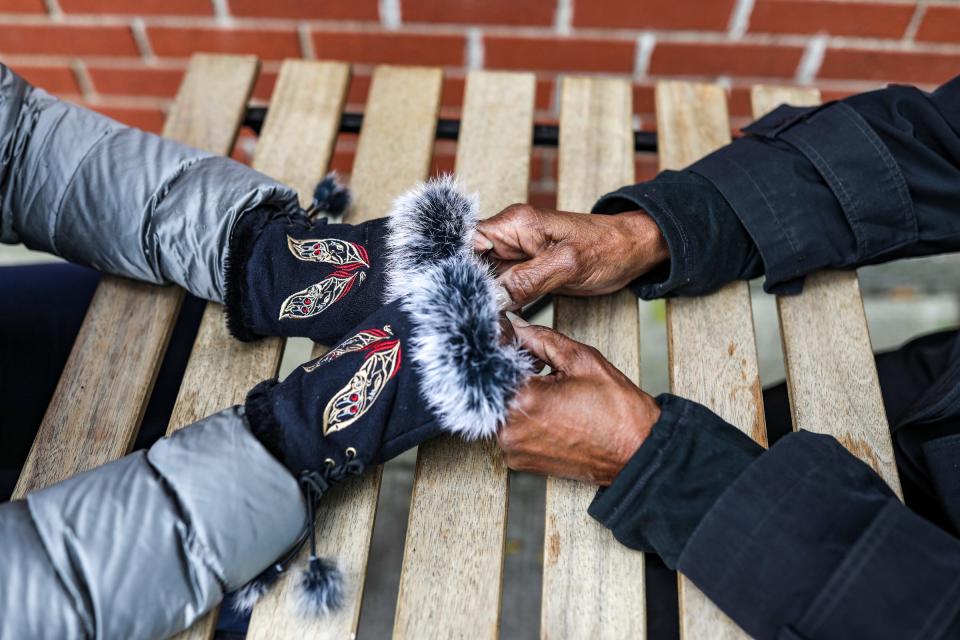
507	332
515	322
481	243
526	245
513	234
557	350
542	274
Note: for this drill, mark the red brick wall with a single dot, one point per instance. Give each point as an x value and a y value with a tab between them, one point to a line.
126	57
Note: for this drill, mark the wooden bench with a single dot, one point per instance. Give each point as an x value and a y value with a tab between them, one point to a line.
451	581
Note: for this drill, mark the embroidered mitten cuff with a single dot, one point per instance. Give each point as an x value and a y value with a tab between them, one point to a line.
290	276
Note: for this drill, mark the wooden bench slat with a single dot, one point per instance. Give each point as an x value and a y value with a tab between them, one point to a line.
831	372
450	585
712	348
102	393
295	147
593	587
394	152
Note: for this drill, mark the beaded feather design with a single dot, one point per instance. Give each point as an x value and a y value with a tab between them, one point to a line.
354	399
351	261
356	342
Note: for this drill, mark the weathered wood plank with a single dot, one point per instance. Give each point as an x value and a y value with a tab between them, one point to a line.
831	373
394	153
295	147
713	351
450	585
592	585
396	124
103	390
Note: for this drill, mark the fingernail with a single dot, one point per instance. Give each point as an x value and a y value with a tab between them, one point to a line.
482	242
516	320
502	298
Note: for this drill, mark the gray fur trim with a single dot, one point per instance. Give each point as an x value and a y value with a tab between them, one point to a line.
431	222
466	375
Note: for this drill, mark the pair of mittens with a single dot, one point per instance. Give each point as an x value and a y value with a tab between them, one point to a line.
428	358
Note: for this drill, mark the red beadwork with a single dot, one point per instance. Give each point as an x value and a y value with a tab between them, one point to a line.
306	301
353	409
354	397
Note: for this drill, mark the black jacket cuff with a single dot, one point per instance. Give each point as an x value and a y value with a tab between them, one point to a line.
708	245
659	498
813	168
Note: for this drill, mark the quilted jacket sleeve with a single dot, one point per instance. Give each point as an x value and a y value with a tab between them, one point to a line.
120	200
143	546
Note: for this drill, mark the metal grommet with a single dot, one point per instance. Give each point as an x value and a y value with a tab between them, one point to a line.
329	462
351	452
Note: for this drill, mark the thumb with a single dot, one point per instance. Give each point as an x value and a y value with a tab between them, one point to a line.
552	347
528	280
481	243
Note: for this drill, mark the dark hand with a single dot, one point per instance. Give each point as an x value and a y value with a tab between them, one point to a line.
539	251
583	421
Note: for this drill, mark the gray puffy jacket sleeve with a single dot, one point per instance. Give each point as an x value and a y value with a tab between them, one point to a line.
123	201
143	546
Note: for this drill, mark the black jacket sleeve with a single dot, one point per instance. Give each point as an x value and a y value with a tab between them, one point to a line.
859	181
707	244
801	541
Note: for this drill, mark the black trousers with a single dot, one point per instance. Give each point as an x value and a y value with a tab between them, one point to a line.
41	310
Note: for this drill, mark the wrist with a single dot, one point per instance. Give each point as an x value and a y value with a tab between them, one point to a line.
646	247
644	415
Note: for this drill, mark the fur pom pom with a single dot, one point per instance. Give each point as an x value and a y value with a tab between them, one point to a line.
320	588
331	197
429	223
467	376
246	597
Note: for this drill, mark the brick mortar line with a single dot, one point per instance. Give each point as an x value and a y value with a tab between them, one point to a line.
211	22
811	61
53	9
305	40
893	3
518	31
82	78
643	51
474	52
620	35
740	19
452	73
221	11
563	17
118	63
910	33
391	14
142	40
128	102
738	83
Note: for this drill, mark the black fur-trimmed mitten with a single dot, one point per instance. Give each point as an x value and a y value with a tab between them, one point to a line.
290	275
430	360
